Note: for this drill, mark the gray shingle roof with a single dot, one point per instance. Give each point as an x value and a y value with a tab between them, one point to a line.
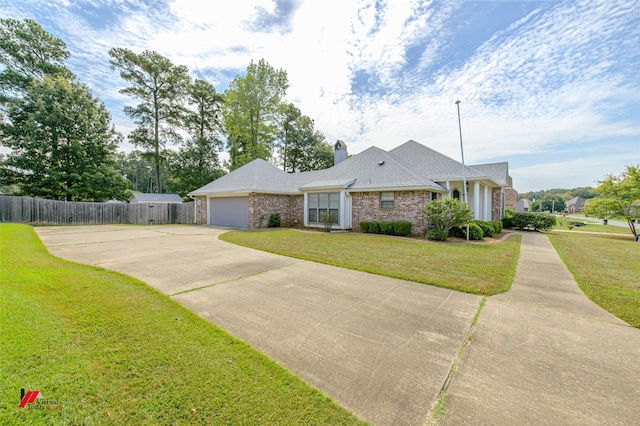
409	166
498	172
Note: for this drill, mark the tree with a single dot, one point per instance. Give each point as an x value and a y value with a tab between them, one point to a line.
302	148
161	88
252	111
28	52
63	143
619	197
197	163
445	214
136	167
549	203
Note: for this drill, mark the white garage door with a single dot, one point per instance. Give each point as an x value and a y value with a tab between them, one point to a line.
230	211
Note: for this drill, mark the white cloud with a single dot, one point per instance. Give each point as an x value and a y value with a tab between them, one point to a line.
562	75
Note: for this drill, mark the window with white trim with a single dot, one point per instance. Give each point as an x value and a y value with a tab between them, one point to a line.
387	200
322	203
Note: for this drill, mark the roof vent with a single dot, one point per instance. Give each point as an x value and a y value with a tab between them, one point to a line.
380	163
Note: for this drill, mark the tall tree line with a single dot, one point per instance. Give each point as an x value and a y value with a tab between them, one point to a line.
64	145
62	140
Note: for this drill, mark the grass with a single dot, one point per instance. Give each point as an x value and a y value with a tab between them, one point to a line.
595	227
607	269
484	269
111	350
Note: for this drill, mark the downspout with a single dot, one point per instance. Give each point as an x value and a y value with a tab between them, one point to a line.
195	209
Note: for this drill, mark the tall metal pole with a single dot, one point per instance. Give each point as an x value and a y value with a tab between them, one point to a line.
464	172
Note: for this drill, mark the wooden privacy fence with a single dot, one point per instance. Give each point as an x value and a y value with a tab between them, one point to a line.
38	210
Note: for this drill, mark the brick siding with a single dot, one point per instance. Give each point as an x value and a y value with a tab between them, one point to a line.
408	206
290	207
496	200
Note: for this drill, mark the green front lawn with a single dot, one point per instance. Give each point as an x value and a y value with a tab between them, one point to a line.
607	269
108	349
474	268
595	227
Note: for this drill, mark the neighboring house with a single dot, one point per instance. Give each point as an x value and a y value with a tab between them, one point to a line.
522	206
374	185
139	197
575	205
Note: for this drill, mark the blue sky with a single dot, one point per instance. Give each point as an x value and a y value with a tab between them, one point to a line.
552	87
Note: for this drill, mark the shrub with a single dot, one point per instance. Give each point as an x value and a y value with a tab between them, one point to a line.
544	222
458	232
274	220
475	232
374	227
507	222
534	221
328	219
436	235
447	213
402	228
387	228
487	228
497	226
364	226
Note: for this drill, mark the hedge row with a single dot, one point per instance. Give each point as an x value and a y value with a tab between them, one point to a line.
528	220
400	228
478	229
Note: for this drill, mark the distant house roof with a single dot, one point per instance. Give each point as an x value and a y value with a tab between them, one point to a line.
523	205
139	197
411	166
577	202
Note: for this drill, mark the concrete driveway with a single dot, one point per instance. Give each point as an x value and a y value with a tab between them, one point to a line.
380	347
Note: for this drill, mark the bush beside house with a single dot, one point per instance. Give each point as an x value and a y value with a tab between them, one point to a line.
401	228
529	221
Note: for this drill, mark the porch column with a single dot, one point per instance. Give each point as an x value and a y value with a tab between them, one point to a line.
487	203
477	213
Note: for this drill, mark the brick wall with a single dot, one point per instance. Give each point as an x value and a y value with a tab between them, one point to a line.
510	198
290	207
201	210
496	201
408	206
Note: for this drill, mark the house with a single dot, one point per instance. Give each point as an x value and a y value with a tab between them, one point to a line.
523	205
374	185
139	197
575	205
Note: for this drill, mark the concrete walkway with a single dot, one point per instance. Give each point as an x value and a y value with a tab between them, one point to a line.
543	353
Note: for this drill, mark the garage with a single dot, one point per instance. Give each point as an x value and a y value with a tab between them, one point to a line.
230	211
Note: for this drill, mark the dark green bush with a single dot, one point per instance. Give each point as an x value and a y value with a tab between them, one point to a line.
274	220
458	232
533	221
436	235
497	226
387	228
507	221
402	228
487	228
475	232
